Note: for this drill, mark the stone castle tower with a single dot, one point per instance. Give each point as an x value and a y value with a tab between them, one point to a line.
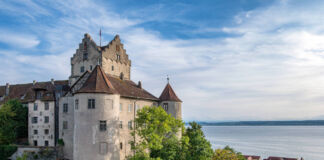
112	58
96	116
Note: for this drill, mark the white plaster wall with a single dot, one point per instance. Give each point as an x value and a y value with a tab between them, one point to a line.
67	134
87	136
41	137
126	116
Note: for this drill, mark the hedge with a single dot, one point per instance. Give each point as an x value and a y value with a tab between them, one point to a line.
6	151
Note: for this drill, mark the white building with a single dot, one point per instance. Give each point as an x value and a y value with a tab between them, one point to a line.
93	112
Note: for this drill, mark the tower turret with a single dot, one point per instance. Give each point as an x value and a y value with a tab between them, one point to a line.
170	102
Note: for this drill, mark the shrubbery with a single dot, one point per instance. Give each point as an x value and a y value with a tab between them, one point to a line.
159	139
6	151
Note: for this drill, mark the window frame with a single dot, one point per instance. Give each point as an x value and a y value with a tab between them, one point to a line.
130	125
130	107
46	106
65	125
102	125
165	106
46	119
65	107
76	104
35	106
34	120
91	103
46	131
81	69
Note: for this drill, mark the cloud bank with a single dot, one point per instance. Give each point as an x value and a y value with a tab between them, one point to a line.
267	66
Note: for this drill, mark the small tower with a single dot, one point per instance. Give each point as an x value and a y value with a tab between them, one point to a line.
170	102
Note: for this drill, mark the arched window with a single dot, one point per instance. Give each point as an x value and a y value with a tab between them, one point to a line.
121	76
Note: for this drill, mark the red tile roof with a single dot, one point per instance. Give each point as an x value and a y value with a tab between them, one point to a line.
26	92
129	89
97	82
168	94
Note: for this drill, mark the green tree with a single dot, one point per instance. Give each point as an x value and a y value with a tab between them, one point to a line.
227	154
13	122
156	136
199	146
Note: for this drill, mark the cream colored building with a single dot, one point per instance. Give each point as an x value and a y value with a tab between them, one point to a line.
93	112
97	114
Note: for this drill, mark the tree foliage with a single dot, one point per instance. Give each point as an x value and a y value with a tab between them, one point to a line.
199	147
13	122
157	135
227	154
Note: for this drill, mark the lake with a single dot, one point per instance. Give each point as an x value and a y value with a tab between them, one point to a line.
265	141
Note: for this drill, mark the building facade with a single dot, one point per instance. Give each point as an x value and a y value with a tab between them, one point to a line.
94	111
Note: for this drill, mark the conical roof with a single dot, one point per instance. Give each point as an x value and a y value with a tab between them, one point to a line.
97	82
168	94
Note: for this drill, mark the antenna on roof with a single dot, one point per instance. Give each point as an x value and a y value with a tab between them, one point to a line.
100	36
168	79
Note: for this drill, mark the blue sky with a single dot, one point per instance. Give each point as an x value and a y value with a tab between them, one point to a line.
227	59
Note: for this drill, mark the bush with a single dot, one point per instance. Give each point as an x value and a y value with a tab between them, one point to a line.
6	151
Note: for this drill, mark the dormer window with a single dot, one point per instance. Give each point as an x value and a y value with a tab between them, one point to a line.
38	94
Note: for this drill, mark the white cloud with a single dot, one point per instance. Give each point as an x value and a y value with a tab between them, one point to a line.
272	69
18	40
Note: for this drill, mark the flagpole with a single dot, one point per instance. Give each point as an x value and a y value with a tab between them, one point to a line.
100	36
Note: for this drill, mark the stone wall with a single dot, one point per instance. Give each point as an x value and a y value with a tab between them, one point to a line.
67	117
89	141
39	135
126	115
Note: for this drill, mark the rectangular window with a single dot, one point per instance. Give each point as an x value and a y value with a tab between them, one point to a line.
90	67
38	95
136	107
85	56
165	106
91	104
76	104
35	131
46	119
35	106
65	108
103	125
120	124
82	69
130	125
46	143
121	145
112	68
46	106
34	120
65	125
46	131
35	143
130	108
103	148
120	107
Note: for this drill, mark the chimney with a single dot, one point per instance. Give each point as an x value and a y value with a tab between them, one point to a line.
139	85
52	81
7	89
34	82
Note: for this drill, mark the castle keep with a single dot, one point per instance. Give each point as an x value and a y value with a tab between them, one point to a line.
93	111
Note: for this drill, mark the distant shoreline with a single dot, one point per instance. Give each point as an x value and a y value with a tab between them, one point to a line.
265	123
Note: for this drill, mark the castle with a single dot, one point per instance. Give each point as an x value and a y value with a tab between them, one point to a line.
93	111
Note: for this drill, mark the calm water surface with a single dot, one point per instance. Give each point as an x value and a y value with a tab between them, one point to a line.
283	141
